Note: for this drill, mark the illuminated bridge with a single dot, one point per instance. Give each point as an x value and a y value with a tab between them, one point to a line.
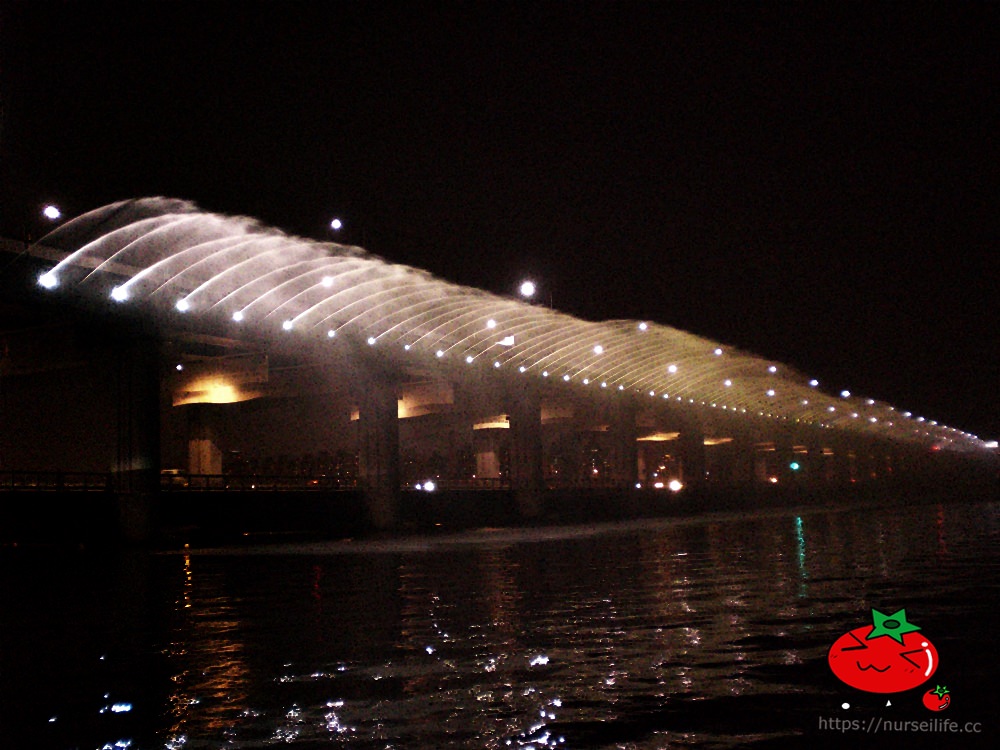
415	365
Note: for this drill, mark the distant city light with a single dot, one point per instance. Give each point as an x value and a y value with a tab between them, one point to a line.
814	383
727	383
672	368
845	394
371	341
238	316
718	352
336	225
527	289
331	333
772	369
643	326
675	485
598	349
52	213
429	486
491	323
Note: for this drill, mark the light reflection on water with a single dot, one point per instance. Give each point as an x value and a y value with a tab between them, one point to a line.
701	633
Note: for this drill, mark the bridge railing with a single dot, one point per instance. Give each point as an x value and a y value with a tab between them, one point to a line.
253	483
449	485
55	481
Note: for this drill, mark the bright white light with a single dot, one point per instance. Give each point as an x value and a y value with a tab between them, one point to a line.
439	353
873	420
507	341
429	486
527	289
672	368
48	280
652	393
831	408
770	391
545	373
327	281
772	368
845	394
336	225
805	402
119	294
183	305
52	213
371	341
331	333
586	381
658	485
288	325
522	368
468	358
991	444
727	383
814	383
598	349
496	364
870	402
179	367
675	485
718	352
643	326
491	323
920	419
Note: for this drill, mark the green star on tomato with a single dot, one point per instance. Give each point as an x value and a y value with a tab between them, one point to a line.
895	625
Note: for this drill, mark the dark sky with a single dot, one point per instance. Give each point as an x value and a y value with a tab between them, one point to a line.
821	186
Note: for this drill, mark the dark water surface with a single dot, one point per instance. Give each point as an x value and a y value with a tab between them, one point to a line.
707	632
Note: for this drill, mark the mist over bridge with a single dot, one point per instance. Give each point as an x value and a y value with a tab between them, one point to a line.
237	313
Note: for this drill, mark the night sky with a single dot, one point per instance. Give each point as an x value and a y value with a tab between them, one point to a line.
820	186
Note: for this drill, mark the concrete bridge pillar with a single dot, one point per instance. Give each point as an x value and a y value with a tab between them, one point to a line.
691	449
742	456
624	450
378	454
137	464
487	444
524	410
204	456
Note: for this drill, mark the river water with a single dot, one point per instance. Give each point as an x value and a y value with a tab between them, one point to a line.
705	632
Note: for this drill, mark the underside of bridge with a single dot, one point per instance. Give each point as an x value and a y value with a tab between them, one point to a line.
149	336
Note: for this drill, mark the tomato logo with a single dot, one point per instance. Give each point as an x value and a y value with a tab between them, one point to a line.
937	699
888	656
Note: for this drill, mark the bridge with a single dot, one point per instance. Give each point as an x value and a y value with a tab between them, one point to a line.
229	337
